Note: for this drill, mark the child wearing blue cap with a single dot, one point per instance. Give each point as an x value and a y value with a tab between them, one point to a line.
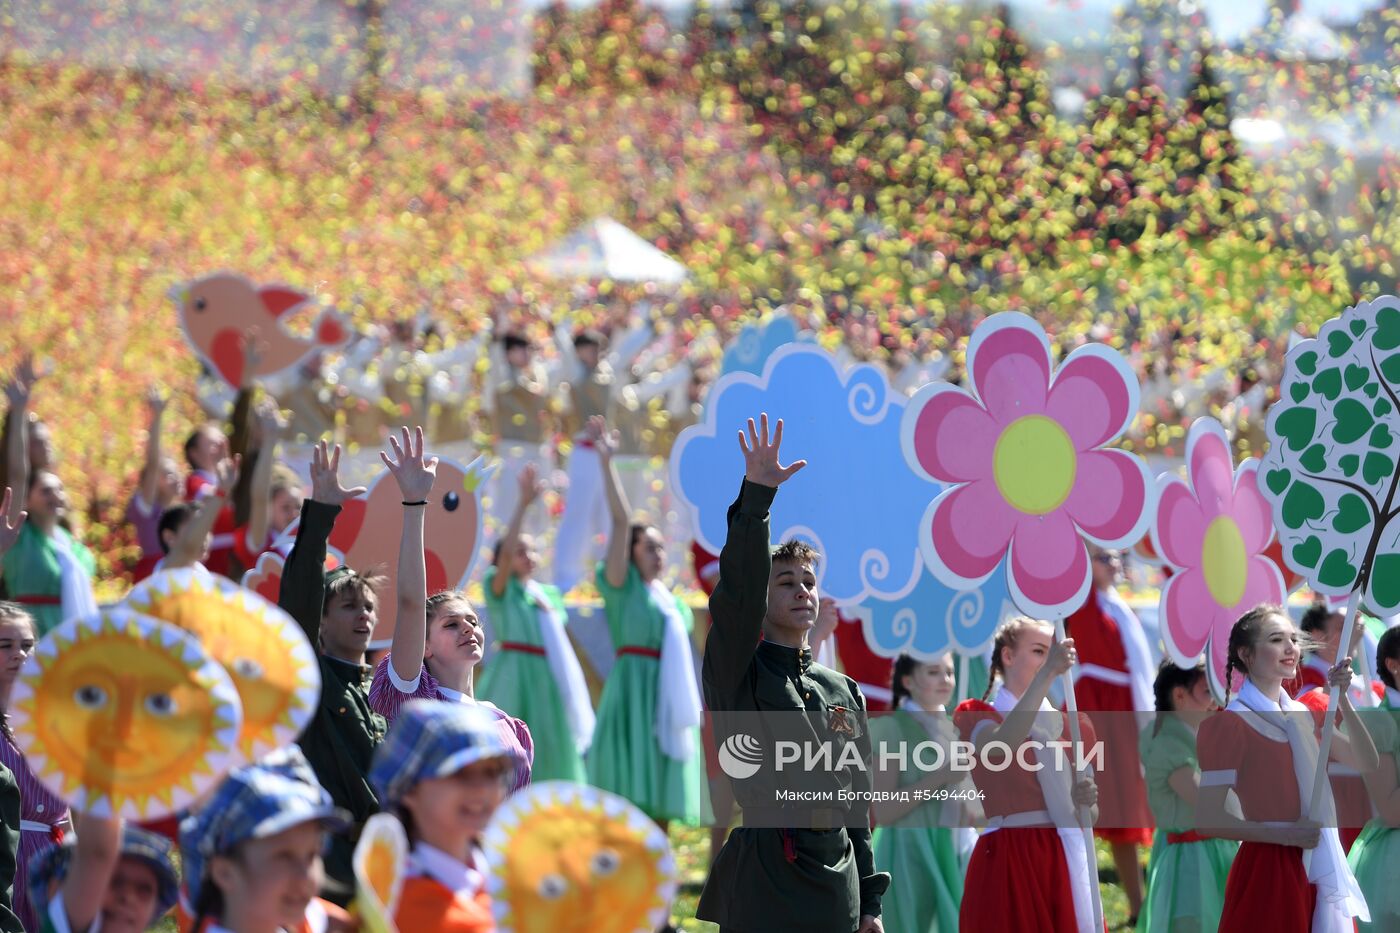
443	770
114	879
252	854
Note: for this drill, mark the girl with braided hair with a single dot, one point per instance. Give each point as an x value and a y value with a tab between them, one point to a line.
1187	872
1264	747
1028	871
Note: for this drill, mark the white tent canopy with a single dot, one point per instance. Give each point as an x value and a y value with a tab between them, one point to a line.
605	249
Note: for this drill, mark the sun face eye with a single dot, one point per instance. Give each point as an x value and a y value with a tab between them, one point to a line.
605	863
160	704
552	887
90	696
246	668
450	502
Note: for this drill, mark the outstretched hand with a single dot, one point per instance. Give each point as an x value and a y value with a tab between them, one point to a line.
531	486
604	441
226	472
761	463
325	477
9	533
21	383
413	471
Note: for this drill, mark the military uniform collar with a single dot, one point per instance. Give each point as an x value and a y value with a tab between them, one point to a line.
795	660
350	670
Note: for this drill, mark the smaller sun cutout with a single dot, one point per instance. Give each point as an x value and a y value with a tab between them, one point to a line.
567	858
262	648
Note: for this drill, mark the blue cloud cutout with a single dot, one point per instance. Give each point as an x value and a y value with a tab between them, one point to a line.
755	343
933	618
857	501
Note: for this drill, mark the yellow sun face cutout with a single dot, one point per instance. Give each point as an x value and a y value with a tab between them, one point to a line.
566	858
125	716
261	647
380	857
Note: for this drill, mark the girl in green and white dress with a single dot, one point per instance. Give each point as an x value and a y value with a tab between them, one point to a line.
534	671
1375	855
922	843
1186	873
646	745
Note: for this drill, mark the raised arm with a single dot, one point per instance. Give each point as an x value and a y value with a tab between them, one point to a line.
303	588
17	446
9	530
530	489
619	510
240	434
188	547
150	470
272	426
1018	723
94	862
415	476
740	600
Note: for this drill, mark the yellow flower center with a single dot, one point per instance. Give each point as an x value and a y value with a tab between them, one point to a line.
1224	561
1034	465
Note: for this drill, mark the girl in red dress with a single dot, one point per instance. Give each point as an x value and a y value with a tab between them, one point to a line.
1028	872
1113	678
1290	875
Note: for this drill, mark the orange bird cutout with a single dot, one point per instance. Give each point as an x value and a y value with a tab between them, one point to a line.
219	311
367	532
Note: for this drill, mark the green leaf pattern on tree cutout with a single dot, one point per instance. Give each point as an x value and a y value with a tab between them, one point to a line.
1333	465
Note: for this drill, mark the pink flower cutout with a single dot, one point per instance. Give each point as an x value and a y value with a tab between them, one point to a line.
1213	529
1023	449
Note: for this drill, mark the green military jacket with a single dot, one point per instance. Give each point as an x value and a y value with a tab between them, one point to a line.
341	739
818	875
9	849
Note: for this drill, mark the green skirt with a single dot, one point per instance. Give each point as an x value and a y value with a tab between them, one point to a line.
1185	885
521	684
627	760
1375	860
926	884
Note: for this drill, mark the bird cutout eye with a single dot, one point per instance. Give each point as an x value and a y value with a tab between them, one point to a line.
246	668
553	887
160	704
90	697
200	304
450	502
605	863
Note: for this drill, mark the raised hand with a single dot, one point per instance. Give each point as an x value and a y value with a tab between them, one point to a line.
531	486
270	420
827	619
325	477
1339	674
1062	657
605	442
413	471
9	533
21	384
761	464
226	472
156	402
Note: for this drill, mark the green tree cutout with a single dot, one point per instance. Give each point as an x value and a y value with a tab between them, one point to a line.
1331	470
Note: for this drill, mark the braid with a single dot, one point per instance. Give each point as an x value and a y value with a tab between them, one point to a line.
1229	673
1008	633
993	671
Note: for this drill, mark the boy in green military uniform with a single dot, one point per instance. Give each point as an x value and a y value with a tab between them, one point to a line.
337	611
785	869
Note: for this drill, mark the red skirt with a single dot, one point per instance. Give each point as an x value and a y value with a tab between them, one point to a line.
1017	880
1268	890
1124	816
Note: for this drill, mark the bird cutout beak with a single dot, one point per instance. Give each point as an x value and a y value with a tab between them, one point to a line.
178	294
477	473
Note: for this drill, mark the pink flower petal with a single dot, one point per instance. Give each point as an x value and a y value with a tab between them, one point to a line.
1011	371
1263	584
1252	513
1213	474
954	437
1109	495
1049	563
1091	400
970	529
1187	611
1181	528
